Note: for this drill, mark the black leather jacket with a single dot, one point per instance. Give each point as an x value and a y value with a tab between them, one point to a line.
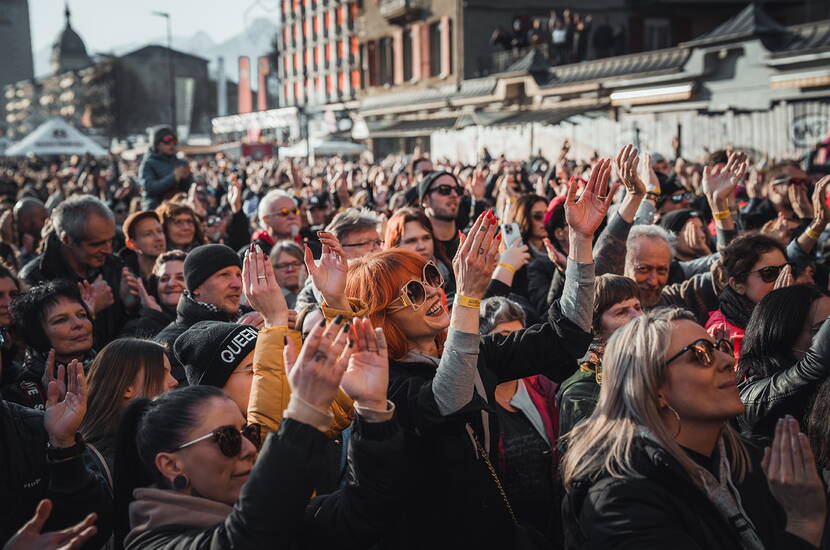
788	391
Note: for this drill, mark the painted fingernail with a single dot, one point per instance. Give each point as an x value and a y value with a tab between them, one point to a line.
346	327
323	323
285	340
258	249
498	237
351	343
338	319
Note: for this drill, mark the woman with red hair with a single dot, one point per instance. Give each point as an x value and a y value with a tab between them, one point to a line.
443	375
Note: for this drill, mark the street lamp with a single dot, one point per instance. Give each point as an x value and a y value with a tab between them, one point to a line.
171	76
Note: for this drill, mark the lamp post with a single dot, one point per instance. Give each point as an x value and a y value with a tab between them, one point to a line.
171	76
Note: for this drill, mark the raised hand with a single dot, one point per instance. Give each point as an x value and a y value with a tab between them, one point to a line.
103	294
517	256
235	195
259	283
29	537
719	182
318	370
558	259
778	229
477	257
87	295
65	413
367	377
785	278
799	201
476	186
696	239
755	185
648	175
145	298
794	482
329	275
627	163
584	215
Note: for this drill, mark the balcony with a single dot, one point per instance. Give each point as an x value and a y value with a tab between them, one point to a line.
402	11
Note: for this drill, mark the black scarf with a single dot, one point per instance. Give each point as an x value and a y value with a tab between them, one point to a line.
737	308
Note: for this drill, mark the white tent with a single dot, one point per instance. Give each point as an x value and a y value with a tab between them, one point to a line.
55	137
322	147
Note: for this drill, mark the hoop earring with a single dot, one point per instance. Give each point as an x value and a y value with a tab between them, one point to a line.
180	482
677	416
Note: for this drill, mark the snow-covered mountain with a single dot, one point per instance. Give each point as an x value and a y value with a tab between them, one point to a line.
253	42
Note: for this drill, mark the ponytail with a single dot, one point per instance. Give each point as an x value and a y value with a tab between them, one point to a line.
130	472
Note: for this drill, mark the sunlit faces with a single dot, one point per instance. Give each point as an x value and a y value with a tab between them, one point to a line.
647	262
699	393
238	385
8	290
617	315
68	328
430	319
416	238
181	229
222	289
137	388
361	242
282	217
290	271
92	251
148	238
171	283
440	206
754	287
211	474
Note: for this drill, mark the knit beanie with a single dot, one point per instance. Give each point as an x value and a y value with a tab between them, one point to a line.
676	219
211	350
423	185
205	260
162	133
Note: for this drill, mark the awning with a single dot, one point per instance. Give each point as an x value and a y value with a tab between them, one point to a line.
544	116
413	128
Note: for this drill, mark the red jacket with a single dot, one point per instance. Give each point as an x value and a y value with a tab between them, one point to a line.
736	334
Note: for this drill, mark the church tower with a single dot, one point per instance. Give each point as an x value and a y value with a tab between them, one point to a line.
69	51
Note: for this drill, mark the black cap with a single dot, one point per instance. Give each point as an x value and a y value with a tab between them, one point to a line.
424	184
211	350
318	200
205	260
676	219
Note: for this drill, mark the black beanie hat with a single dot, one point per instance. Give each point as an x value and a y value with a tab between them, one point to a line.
162	133
676	219
205	260
211	350
423	185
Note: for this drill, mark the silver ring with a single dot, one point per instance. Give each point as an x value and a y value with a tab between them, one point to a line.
600	197
481	250
262	277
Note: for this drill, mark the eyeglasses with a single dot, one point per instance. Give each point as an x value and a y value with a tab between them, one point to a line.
704	351
283	212
288	265
680	197
182	221
646	269
538	216
229	439
445	190
414	293
373	242
168	140
770	273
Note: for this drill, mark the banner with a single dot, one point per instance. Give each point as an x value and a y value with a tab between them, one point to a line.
262	88
245	100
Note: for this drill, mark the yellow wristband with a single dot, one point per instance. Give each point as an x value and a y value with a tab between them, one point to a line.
508	267
812	234
722	214
464	301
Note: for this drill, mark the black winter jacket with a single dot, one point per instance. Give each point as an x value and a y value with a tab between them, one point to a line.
788	391
275	508
27	388
27	476
452	500
156	178
663	508
188	313
149	323
51	265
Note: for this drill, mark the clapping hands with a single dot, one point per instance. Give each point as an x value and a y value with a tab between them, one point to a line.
259	283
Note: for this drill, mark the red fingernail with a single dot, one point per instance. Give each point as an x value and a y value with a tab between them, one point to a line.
498	237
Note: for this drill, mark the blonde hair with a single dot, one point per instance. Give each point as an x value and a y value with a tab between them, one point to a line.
633	370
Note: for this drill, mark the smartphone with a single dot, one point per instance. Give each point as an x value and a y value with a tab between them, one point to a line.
510	233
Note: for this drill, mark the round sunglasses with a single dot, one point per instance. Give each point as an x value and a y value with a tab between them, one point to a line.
704	351
414	293
229	439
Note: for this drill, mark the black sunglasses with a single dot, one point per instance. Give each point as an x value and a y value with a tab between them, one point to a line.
445	190
538	216
770	273
704	351
229	439
681	197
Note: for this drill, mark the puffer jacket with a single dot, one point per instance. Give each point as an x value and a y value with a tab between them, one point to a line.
27	476
788	391
275	508
662	507
51	265
27	388
188	313
156	178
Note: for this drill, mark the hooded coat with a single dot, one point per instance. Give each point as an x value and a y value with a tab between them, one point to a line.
156	178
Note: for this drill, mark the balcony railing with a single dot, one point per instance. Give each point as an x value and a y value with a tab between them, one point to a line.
402	10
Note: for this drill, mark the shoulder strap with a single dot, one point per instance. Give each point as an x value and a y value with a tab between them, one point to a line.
483	454
104	465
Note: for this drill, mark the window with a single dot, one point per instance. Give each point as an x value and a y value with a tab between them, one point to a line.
385	61
355	79
657	33
407	55
435	49
448	45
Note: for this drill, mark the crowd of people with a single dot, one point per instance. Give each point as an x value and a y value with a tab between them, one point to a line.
565	37
627	352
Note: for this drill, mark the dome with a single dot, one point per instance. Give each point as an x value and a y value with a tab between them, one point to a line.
69	51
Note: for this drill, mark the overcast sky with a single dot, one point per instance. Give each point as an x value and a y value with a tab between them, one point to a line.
105	24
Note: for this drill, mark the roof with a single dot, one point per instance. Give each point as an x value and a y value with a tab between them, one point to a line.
534	62
423	127
750	22
545	116
469	88
626	65
805	38
141	50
